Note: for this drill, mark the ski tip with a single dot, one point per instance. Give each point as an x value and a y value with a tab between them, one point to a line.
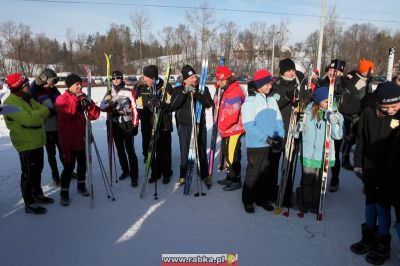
300	214
286	214
278	210
319	217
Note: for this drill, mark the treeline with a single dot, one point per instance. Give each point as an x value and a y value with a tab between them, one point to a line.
244	50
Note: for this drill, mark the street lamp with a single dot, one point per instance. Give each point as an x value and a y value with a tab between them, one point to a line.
273	51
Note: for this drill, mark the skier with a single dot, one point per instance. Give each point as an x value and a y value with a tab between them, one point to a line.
121	103
230	126
28	137
263	123
181	103
71	107
293	96
376	163
349	106
312	126
161	163
357	83
44	91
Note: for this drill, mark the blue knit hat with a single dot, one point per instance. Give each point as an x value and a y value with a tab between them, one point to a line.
320	94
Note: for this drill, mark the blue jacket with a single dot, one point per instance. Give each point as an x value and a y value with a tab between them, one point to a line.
261	119
313	139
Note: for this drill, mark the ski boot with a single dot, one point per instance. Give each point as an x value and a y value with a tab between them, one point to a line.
367	242
380	252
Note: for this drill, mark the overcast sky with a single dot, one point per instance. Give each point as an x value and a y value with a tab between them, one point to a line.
90	16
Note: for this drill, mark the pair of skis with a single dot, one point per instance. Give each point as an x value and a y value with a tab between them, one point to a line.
154	131
193	155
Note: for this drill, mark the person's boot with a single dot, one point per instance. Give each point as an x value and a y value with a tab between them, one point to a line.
249	208
64	197
346	162
134	182
82	189
334	185
35	209
42	199
233	186
367	242
380	252
123	176
225	182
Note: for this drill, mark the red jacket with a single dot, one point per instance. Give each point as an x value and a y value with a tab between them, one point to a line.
71	129
230	117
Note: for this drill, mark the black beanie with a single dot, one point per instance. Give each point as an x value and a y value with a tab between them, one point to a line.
46	76
151	71
187	71
285	65
117	73
72	79
337	64
388	93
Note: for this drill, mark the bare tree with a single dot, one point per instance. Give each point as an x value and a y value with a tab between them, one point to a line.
185	38
228	37
202	21
140	24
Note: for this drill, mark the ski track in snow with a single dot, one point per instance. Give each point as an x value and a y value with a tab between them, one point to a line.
130	231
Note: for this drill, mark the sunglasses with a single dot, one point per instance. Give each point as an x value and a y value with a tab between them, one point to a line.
114	78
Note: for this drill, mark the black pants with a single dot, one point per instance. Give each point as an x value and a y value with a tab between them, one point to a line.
232	149
145	128
259	183
184	132
52	144
31	174
66	175
310	187
124	142
162	162
336	168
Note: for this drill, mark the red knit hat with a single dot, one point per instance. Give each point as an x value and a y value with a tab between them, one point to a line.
262	77
15	81
222	72
364	65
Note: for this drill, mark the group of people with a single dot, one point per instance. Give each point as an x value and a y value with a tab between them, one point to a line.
359	115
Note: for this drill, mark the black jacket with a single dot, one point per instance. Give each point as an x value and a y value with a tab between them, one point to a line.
147	113
181	103
377	141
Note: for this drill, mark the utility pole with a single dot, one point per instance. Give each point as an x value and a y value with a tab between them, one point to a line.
321	36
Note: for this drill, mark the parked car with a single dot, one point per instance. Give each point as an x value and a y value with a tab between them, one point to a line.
172	80
131	81
85	82
242	79
98	81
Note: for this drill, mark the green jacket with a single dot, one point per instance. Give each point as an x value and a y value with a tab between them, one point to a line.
26	126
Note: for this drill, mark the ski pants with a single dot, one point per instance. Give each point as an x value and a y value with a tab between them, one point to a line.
184	132
124	142
376	188
232	150
145	128
52	144
259	182
31	174
78	157
310	187
336	168
161	163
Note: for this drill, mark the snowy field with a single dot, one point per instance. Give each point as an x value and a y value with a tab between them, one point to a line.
131	231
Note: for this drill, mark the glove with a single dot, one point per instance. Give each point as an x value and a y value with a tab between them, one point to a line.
83	101
134	131
333	118
358	172
276	144
107	98
189	88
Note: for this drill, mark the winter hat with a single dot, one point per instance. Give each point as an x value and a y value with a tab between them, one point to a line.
47	76
187	71
15	81
151	71
364	65
320	94
316	71
388	93
337	64
72	79
262	77
285	65
222	72
117	73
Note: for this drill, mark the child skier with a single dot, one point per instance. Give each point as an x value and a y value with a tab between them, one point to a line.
376	163
312	126
263	123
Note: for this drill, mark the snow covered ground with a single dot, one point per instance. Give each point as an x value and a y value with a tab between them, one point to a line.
130	231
